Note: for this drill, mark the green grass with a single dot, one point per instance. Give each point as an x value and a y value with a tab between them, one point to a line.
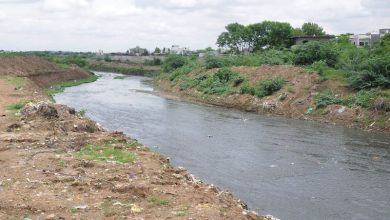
17	106
60	87
105	153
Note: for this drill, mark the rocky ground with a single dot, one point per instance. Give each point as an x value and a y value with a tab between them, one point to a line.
56	164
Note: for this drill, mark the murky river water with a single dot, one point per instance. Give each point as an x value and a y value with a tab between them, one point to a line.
288	168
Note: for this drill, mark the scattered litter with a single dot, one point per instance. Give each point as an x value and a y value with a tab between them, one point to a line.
341	110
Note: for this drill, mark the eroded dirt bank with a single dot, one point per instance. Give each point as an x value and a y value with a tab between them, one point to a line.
55	164
295	100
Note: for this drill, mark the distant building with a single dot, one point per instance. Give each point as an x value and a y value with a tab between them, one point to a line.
176	49
137	51
368	39
100	53
304	39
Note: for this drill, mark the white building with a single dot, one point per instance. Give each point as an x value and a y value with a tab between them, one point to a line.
368	39
176	49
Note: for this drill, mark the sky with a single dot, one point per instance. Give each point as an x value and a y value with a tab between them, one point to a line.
117	25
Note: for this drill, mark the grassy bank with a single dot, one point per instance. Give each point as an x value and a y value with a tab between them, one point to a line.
333	82
60	87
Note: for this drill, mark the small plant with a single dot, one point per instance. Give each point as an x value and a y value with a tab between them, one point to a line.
268	87
17	106
82	112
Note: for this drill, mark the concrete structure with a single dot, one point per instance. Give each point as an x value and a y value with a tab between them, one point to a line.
368	39
304	39
176	49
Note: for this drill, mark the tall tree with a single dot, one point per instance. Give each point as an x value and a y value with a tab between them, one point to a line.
233	38
312	29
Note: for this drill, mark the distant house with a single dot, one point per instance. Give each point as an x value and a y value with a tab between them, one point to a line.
137	51
304	39
176	49
368	39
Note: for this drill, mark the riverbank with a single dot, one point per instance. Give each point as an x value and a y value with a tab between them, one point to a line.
56	164
297	98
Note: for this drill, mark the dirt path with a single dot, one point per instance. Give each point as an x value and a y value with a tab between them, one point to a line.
55	164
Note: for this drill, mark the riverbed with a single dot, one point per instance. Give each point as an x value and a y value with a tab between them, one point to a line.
291	169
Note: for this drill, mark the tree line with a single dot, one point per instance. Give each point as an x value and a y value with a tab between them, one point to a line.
253	37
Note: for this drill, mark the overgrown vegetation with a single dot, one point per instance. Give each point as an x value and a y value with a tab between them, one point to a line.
365	70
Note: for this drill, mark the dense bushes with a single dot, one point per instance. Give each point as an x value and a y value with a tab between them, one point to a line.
222	82
315	51
213	62
173	62
263	87
268	87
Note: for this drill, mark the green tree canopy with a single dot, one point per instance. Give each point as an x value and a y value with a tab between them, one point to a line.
233	38
312	29
255	36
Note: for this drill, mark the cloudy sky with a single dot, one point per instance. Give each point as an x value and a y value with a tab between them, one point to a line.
116	25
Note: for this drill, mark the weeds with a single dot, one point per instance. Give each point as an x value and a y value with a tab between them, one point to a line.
82	112
105	153
17	106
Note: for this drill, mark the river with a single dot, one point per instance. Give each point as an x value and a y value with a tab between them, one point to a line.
291	169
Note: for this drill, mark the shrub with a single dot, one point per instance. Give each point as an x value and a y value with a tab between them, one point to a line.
268	87
225	75
315	51
362	98
213	62
173	62
319	66
367	79
184	70
246	88
326	98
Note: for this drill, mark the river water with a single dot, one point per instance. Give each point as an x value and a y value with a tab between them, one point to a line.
291	169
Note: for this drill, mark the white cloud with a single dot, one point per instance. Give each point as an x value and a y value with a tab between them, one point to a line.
117	25
63	5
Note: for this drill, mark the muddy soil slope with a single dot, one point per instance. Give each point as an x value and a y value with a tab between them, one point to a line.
40	71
